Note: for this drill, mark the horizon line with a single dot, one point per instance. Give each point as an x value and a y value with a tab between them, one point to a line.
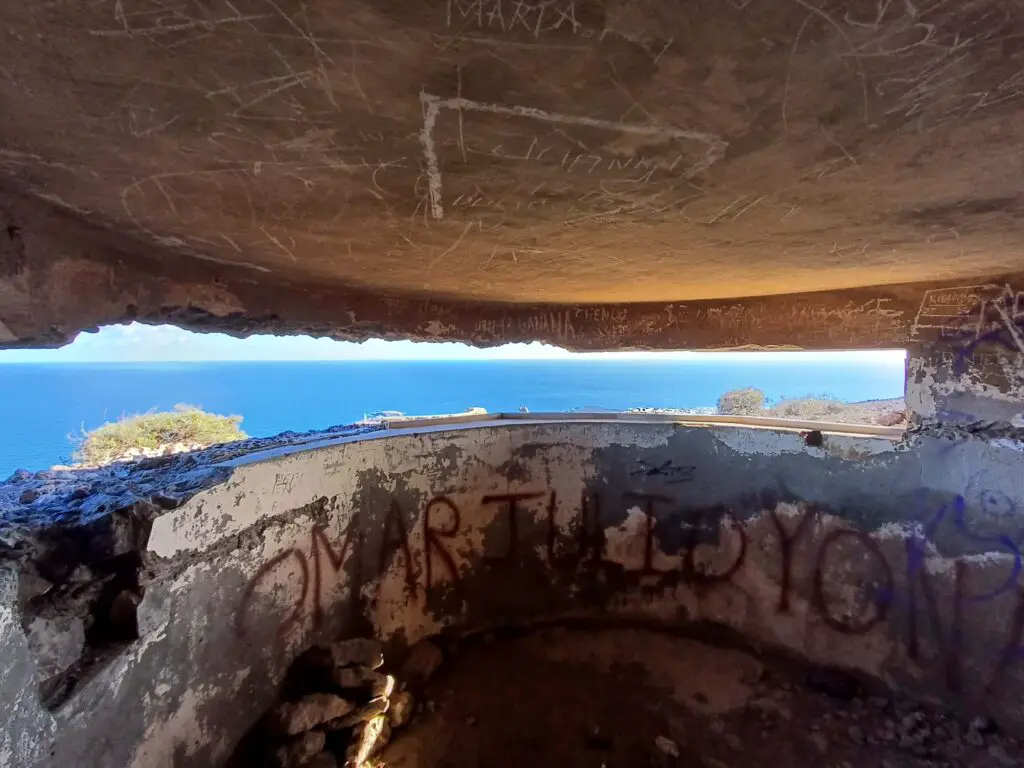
702	355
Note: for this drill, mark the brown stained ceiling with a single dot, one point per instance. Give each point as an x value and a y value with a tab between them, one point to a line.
497	151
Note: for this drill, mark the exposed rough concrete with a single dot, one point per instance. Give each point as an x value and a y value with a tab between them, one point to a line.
897	561
965	367
48	306
581	171
596	174
75	538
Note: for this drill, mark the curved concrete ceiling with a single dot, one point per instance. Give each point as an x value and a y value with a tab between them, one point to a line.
235	163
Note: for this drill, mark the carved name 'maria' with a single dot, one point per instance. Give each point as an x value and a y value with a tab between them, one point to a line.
532	18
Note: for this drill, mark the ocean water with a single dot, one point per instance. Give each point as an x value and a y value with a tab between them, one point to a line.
43	405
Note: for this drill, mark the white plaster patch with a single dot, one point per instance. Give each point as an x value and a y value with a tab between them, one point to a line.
273	487
920	388
626	544
763	442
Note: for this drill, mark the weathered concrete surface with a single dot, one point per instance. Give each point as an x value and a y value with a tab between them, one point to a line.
965	368
897	561
267	164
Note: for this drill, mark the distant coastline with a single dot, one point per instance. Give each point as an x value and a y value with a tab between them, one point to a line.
42	404
888	412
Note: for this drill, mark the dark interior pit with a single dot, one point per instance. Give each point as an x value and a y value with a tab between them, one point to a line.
617	698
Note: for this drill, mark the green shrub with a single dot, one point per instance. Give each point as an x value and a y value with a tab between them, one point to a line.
742	402
185	424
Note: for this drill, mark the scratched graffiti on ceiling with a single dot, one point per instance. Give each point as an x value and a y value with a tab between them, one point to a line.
576	150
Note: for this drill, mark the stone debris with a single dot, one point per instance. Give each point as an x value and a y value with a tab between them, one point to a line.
667	746
403	705
374	707
370	739
30	586
63	530
55	642
359	677
358	651
830	725
421	663
348	709
301	750
308	712
493	708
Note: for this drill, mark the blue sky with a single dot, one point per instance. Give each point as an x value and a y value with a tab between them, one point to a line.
166	343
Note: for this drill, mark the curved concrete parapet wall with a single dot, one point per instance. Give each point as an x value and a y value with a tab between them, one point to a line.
896	560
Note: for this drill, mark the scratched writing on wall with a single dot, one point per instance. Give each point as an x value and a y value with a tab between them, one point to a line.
973	317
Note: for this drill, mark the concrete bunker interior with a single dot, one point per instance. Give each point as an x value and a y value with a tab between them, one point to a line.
593	173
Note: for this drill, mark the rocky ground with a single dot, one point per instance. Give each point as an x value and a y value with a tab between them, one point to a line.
339	707
31	500
598	698
885	413
638	699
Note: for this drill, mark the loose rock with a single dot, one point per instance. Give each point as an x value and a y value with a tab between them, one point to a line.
368	711
359	651
403	705
55	643
359	677
30	586
309	712
300	751
666	746
372	738
421	663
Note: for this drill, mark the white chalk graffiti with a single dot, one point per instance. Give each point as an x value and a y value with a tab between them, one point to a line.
942	306
432	106
973	314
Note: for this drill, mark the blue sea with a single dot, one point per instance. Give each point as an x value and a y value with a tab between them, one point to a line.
43	406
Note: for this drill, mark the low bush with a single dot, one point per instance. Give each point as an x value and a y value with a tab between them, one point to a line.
186	424
742	402
810	408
